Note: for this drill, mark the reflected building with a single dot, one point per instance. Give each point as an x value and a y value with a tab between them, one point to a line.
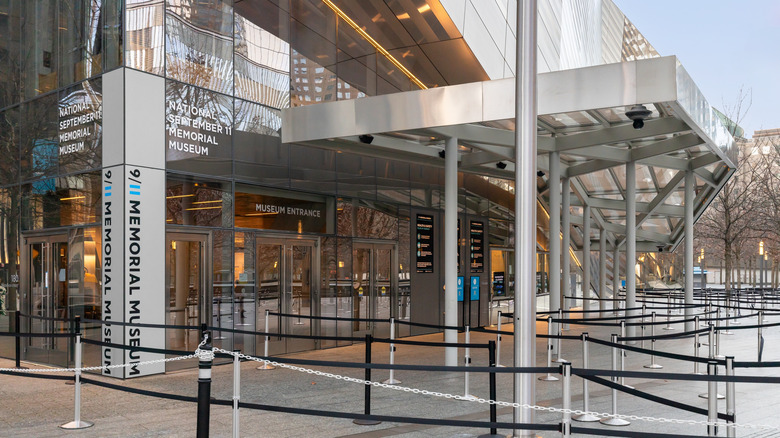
146	179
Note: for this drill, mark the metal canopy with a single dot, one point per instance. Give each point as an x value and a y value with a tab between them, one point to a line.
581	115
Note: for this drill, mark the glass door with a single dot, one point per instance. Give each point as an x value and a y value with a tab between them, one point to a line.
286	284
374	286
186	268
48	298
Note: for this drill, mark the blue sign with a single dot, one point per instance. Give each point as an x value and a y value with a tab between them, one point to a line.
460	289
474	288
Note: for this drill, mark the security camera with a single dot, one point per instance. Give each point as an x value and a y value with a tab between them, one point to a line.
366	138
660	248
638	113
501	165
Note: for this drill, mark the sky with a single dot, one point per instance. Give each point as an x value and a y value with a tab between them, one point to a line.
725	45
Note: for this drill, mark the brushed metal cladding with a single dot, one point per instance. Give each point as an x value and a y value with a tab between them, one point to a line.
498	99
314	122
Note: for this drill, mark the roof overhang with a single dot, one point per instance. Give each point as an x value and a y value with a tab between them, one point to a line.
581	116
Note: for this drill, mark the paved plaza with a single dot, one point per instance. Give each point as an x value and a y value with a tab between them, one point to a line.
36	407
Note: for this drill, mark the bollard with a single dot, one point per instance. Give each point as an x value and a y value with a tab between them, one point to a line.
392	380
204	386
668	314
236	391
560	333
367	389
493	412
77	422
653	365
498	340
266	365
614	421
586	417
712	400
467	362
696	344
731	431
549	377
566	390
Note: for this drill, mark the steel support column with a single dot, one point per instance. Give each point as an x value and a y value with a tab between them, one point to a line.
615	276
451	248
525	213
631	243
565	243
602	270
586	259
554	183
690	193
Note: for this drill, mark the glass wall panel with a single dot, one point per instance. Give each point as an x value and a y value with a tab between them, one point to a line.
312	169
145	46
80	40
392	181
60	202
112	33
39	40
344	287
313	34
356	176
9	146
199	128
356	64
87	302
404	270
244	276
10	52
9	266
40	142
194	201
81	127
329	292
222	283
199	43
311	82
260	155
377	220
426	182
262	63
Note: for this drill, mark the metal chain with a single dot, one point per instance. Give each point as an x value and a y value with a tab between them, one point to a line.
488	401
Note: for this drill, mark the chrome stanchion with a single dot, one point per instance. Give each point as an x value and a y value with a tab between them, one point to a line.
585	396
644	312
711	338
498	341
77	422
623	353
653	365
236	392
392	380
696	344
758	345
266	365
549	377
717	337
566	381
712	400
204	386
668	314
467	362
731	431
560	334
613	420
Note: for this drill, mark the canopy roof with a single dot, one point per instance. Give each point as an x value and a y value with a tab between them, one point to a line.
581	115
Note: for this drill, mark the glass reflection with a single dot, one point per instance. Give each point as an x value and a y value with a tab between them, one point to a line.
39	31
191	201
60	202
262	65
9	146
259	153
145	48
10	52
81	42
40	142
199	43
81	127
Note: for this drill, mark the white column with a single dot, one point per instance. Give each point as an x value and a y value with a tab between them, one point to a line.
602	270
690	183
631	243
554	182
565	243
525	213
615	275
451	248
586	259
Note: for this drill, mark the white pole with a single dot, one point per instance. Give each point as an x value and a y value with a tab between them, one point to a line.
554	183
467	362
565	242
602	271
586	417
236	392
525	213
586	261
614	421
451	249
690	183
615	278
77	423
566	390
498	341
392	380
266	365
631	242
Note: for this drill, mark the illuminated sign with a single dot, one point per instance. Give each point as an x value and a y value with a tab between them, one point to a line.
424	243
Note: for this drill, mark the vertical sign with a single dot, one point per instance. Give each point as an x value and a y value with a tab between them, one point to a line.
458	244
498	284
112	297
477	246
474	295
144	272
460	289
424	243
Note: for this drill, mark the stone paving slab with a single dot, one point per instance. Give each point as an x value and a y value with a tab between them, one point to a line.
35	407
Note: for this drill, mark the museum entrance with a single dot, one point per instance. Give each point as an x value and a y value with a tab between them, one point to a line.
374	286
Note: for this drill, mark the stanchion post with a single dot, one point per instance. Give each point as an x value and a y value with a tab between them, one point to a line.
236	392
77	422
653	365
717	337
18	345
566	380
392	380
493	394
731	431
204	386
668	313
586	417
367	388
549	377
711	341
758	344
613	420
696	344
560	358
644	312
712	399
467	362
498	340
266	365
623	352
